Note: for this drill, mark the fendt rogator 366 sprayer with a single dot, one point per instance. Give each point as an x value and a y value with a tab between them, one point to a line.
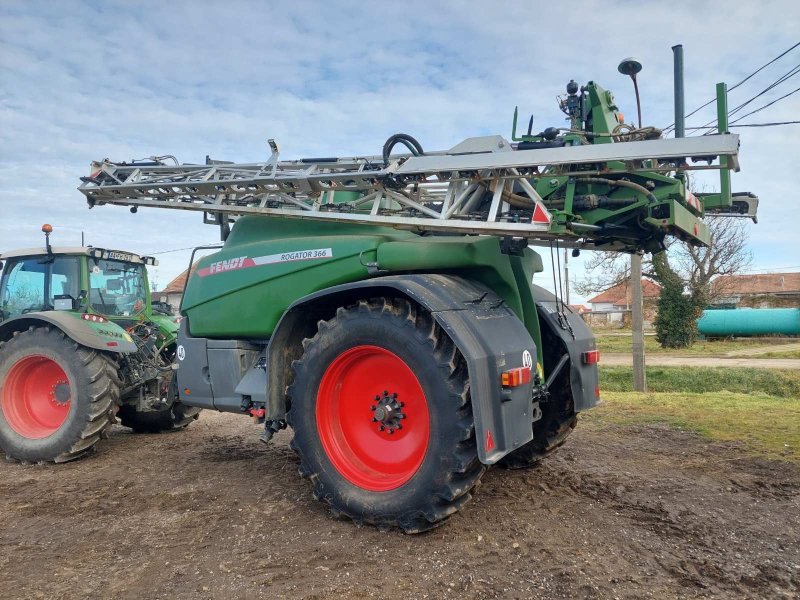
384	307
80	344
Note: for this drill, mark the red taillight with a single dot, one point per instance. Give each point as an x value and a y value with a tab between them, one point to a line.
516	377
591	357
94	318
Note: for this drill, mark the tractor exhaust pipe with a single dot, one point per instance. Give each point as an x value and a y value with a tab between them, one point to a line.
680	109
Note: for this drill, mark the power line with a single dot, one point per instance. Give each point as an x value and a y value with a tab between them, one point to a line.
173	250
672	125
752	112
757	124
791	73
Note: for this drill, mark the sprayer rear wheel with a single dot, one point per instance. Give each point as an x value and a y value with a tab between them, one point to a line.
382	417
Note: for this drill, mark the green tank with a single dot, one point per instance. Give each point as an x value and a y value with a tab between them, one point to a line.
749	322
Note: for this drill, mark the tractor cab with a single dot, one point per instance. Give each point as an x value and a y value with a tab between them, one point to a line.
87	280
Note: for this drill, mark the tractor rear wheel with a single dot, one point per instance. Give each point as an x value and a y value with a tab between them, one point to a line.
382	417
176	417
56	397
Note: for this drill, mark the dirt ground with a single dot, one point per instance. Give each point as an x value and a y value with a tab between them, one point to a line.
616	359
642	512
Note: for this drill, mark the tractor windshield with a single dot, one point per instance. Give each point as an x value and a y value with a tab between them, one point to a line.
30	284
116	288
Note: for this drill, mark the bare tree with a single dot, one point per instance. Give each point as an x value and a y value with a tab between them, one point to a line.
695	266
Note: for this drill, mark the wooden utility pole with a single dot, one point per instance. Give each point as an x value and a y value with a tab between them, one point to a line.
637	323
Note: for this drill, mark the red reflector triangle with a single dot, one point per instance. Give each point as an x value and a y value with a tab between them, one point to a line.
489	441
539	215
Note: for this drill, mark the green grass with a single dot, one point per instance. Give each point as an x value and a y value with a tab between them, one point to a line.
617	343
773	382
766	425
786	354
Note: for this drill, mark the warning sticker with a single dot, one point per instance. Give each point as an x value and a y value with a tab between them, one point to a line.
245	262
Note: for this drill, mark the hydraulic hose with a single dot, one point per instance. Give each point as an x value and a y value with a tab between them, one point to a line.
401	138
622	183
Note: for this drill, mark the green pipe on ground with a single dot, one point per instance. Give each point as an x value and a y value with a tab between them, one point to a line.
749	322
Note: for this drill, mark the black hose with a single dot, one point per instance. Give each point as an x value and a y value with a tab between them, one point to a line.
401	138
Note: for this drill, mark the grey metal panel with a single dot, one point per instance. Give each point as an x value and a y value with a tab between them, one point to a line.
194	381
230	344
254	384
707	145
227	367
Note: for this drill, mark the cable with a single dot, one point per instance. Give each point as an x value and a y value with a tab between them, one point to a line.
672	125
757	124
794	71
174	250
752	112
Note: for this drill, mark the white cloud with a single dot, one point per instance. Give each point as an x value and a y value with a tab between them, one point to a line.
84	81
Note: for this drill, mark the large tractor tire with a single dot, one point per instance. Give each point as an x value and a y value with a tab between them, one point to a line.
56	397
382	417
176	417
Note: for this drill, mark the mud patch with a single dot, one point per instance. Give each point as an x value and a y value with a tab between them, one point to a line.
211	512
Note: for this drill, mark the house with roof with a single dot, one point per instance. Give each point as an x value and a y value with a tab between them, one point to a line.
613	306
173	292
759	290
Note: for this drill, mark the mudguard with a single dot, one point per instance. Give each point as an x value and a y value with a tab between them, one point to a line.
583	378
489	335
107	336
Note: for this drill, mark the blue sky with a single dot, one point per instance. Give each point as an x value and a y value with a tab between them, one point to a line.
81	81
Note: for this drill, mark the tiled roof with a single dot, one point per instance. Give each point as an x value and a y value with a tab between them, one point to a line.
177	285
764	283
620	294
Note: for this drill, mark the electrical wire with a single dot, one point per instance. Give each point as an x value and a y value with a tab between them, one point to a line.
173	250
670	127
758	124
794	71
752	112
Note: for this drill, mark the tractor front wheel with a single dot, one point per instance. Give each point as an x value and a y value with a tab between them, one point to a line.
56	397
382	417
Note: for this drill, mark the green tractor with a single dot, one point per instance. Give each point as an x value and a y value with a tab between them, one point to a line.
80	345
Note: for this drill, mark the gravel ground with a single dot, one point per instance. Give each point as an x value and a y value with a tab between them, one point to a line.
615	359
635	512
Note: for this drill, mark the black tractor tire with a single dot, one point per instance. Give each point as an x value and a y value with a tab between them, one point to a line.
174	418
385	340
57	397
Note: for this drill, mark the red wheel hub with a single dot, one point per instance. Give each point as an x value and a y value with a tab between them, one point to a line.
372	418
35	397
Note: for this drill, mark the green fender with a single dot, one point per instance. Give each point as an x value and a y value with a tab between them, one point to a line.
106	336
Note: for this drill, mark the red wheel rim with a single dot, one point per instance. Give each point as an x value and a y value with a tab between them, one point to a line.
35	397
360	385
